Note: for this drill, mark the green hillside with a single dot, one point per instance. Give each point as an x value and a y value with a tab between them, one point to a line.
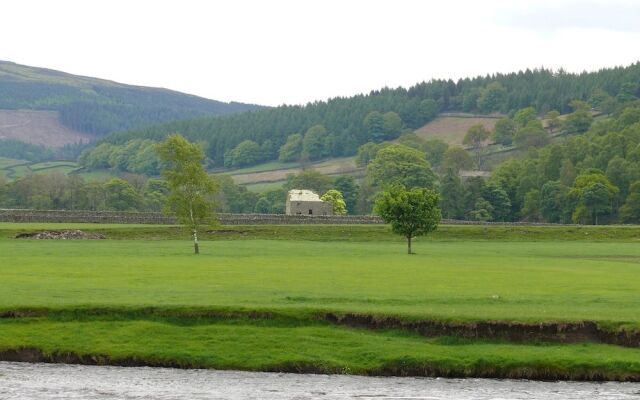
97	106
337	127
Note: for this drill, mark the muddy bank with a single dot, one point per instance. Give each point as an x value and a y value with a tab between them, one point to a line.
403	368
560	332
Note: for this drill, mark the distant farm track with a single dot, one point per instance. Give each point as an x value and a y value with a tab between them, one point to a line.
38	127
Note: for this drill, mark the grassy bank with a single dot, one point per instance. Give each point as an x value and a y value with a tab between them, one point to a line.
94	298
264	346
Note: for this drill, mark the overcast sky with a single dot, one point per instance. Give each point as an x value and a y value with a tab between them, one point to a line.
275	52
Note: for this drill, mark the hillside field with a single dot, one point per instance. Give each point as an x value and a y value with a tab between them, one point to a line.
141	295
13	169
452	129
275	173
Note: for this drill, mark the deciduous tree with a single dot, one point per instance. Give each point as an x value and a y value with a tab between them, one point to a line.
411	213
503	131
630	210
191	189
121	196
475	137
292	149
337	201
397	164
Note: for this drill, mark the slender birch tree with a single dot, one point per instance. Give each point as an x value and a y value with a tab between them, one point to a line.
191	189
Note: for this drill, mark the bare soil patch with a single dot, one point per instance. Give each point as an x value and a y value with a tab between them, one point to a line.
453	129
60	235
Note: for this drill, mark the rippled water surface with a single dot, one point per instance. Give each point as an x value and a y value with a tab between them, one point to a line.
56	381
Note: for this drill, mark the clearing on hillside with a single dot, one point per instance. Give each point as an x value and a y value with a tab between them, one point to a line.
38	127
452	128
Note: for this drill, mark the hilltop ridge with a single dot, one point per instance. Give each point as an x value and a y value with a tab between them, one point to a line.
92	107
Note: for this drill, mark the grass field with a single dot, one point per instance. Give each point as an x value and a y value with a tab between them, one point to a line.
268	166
53	164
9	162
264	186
270	173
13	169
96	294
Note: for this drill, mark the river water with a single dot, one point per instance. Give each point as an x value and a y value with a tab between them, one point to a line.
57	381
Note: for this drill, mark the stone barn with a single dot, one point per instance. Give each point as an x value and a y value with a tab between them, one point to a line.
306	202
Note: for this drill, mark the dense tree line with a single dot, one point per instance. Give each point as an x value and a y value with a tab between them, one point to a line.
136	156
519	188
568	170
347	123
19	150
322	129
57	191
589	177
134	192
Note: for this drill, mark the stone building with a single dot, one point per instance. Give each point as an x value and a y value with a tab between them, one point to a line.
306	202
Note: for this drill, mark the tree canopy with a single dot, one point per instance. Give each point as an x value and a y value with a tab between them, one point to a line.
191	189
411	213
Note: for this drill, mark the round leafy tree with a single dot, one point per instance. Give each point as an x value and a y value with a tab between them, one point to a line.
337	201
411	213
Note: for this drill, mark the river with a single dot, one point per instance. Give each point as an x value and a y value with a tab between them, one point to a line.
57	381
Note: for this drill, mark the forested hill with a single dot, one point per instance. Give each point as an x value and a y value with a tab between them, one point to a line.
97	106
338	126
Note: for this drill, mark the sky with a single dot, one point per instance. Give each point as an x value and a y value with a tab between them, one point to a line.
297	51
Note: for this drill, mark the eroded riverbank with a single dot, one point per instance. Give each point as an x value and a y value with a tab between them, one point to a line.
272	342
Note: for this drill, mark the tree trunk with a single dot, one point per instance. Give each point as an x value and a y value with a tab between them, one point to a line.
409	245
196	249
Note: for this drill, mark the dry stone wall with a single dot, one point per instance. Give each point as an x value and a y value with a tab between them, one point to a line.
116	217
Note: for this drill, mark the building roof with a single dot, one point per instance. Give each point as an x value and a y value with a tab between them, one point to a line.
303	195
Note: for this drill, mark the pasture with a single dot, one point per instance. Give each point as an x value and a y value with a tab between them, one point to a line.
448	280
272	174
14	169
143	287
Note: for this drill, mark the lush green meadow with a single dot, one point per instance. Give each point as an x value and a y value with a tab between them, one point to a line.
445	280
96	291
